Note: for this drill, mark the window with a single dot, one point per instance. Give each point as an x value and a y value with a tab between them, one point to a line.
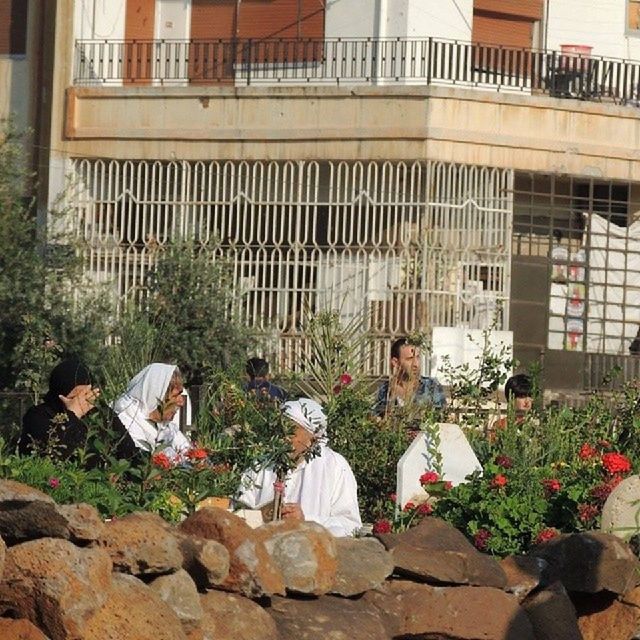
633	15
13	27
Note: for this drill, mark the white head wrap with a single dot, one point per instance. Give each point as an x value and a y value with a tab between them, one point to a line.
308	414
145	392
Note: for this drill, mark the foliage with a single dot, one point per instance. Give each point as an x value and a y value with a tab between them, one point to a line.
193	304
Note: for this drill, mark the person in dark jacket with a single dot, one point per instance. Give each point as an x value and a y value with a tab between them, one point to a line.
56	425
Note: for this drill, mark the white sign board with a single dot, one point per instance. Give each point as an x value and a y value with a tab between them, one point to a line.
458	461
464	346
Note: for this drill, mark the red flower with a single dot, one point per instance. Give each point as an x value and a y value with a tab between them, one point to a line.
601	491
504	461
551	486
54	483
481	538
429	478
393	497
223	467
425	509
382	526
448	485
616	463
587	512
337	389
345	379
409	506
161	460
499	481
546	534
587	452
197	454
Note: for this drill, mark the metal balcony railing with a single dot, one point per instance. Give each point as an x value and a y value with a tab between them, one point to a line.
356	61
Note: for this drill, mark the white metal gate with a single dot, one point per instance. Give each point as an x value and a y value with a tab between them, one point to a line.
406	245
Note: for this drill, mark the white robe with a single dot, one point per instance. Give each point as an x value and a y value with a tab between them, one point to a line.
144	393
324	487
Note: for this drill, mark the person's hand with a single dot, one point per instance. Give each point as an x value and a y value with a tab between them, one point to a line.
80	399
292	511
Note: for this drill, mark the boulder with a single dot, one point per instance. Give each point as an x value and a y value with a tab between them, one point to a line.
304	553
28	514
606	616
524	574
180	593
363	564
621	511
20	630
84	523
142	545
55	584
133	611
327	617
590	562
435	552
206	561
552	614
251	570
228	616
454	613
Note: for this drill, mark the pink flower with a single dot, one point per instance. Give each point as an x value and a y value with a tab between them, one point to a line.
382	526
616	463
429	478
551	486
448	485
345	379
504	461
54	483
499	481
546	534
393	497
481	538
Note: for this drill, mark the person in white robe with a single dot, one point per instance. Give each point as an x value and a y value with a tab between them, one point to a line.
148	407
322	489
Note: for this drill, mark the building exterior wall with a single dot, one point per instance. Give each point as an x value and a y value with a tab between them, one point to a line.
597	23
15	95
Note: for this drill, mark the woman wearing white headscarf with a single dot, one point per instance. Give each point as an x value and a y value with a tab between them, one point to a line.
147	408
322	489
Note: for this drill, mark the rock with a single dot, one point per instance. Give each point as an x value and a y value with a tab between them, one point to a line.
434	551
251	570
206	561
305	554
363	564
460	613
83	522
228	616
19	630
621	512
133	611
605	616
142	545
327	617
552	614
388	600
55	585
590	562
3	551
28	514
524	574
180	593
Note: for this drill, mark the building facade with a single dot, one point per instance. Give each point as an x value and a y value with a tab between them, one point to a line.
410	163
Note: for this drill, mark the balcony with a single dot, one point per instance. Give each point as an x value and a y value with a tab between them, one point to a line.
358	61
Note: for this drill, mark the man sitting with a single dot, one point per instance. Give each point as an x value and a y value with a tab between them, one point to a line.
322	489
258	372
406	384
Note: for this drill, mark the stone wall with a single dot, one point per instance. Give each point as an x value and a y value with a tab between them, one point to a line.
65	574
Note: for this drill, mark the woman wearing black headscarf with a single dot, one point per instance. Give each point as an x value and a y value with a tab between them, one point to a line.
56	424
